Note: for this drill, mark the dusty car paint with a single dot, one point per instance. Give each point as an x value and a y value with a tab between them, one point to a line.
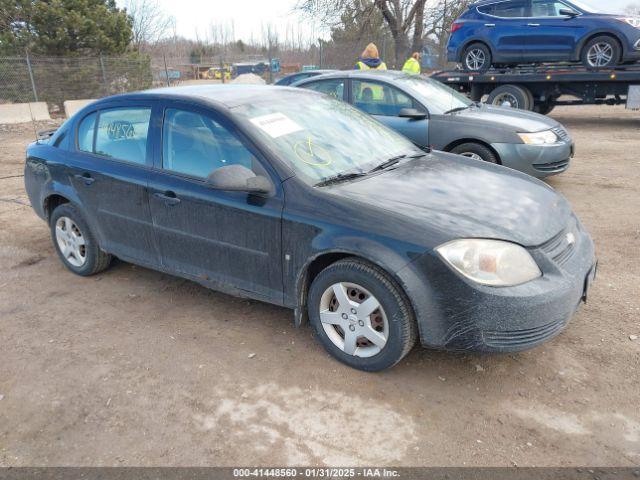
269	247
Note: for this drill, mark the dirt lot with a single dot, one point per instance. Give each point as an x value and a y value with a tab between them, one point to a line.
133	367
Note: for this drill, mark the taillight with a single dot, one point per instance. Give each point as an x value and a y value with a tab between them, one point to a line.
457	25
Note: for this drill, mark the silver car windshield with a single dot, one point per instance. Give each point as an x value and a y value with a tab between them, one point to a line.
320	137
438	98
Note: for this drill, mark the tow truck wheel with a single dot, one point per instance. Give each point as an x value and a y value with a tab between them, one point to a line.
513	96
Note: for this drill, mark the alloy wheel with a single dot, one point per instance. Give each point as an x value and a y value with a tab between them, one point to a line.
600	54
475	59
71	242
353	319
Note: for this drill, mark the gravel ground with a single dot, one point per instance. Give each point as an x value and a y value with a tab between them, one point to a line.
134	367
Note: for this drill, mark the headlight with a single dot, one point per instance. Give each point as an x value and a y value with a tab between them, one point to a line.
539	138
633	21
490	262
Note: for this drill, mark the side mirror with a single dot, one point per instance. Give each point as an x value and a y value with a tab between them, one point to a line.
412	113
237	178
567	12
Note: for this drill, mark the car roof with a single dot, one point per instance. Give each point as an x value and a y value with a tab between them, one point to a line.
226	95
368	74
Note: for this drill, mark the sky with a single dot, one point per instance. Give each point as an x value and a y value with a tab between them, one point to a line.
194	17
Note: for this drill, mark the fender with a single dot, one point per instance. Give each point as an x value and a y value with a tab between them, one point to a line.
594	33
370	250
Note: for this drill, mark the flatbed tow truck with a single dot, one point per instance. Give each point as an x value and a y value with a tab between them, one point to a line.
541	87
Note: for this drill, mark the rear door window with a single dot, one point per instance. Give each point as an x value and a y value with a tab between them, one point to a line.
512	9
333	87
122	134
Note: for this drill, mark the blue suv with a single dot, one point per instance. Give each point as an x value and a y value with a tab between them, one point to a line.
508	32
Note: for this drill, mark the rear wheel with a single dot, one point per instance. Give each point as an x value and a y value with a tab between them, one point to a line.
601	52
513	96
476	58
74	242
360	316
475	151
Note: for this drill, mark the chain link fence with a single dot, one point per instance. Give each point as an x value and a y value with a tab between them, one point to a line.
54	80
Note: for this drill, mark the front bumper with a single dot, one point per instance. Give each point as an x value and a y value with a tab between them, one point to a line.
536	160
456	314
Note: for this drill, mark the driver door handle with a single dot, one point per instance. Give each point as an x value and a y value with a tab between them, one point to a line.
533	24
489	24
169	198
86	178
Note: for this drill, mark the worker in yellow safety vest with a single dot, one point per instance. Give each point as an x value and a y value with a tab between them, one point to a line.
412	66
370	59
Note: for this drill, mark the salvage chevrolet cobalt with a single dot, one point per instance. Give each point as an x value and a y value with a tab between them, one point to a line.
294	198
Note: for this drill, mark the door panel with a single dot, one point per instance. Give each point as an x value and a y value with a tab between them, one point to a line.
232	239
114	192
551	37
384	102
504	28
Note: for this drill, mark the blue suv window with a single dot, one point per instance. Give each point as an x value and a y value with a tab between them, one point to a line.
517	9
547	8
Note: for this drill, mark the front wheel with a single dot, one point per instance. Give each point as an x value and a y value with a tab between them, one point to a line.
475	151
360	316
601	52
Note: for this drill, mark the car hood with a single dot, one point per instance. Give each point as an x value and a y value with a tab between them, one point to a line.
512	118
455	197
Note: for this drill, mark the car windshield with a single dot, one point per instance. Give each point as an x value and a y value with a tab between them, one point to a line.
585	7
438	98
324	138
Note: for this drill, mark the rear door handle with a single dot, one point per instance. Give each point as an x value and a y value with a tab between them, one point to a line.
533	24
86	178
489	24
169	198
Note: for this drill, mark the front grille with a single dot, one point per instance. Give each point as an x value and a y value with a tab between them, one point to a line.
561	247
561	133
552	167
522	338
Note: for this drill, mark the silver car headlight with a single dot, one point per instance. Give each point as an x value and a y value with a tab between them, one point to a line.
490	262
545	137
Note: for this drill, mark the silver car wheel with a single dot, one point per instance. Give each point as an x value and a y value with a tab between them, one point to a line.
354	320
475	59
600	54
71	242
472	155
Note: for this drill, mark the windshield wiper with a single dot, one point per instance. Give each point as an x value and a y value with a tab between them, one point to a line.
458	109
387	163
341	177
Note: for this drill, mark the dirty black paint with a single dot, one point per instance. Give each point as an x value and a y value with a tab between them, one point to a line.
265	246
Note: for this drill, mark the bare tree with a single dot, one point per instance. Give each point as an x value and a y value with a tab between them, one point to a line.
404	18
633	9
150	23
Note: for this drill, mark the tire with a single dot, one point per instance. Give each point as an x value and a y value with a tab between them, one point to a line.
360	283
544	108
515	95
608	47
68	225
476	151
475	53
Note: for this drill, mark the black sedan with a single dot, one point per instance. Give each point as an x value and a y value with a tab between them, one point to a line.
320	209
298	76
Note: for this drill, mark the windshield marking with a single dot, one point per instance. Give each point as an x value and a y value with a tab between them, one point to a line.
276	124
